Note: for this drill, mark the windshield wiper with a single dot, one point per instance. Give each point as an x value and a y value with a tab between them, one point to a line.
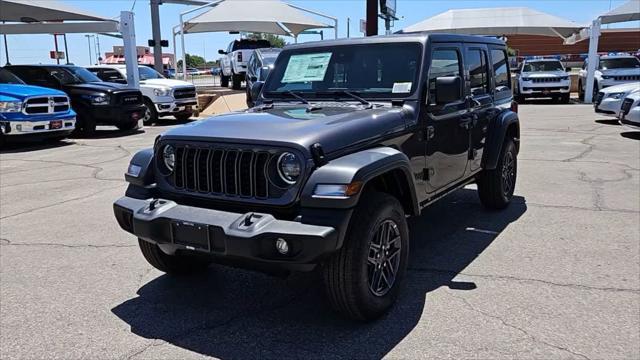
362	101
310	107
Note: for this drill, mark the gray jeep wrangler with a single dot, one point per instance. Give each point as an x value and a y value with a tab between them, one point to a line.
347	139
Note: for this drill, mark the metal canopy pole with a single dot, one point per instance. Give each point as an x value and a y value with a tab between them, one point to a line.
157	36
175	57
182	14
593	61
127	28
372	17
66	49
335	19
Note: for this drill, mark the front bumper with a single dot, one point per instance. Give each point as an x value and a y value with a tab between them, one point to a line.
632	119
225	234
58	126
545	89
114	115
176	107
608	106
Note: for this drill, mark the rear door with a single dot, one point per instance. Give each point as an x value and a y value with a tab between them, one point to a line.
447	138
479	99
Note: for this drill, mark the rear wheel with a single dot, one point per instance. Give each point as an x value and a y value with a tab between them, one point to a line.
224	80
177	264
150	113
580	91
237	81
495	187
363	278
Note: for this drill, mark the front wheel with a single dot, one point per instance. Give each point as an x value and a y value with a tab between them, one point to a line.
495	187
580	91
565	98
131	125
176	264
224	80
183	117
237	82
150	113
363	278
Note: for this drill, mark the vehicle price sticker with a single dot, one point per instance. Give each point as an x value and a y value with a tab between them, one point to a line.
307	67
401	87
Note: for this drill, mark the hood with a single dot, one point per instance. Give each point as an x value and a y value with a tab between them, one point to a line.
166	83
106	87
20	92
620	72
335	128
621	88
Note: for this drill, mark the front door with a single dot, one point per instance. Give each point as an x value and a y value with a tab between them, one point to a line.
447	136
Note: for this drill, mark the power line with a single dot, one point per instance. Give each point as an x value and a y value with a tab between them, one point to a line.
134	5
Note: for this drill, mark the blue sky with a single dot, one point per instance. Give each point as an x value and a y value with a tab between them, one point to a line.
26	49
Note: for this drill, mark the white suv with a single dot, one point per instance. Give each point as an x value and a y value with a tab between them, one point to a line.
162	96
611	70
233	65
543	78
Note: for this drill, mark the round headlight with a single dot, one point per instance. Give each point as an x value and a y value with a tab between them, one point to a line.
169	156
289	168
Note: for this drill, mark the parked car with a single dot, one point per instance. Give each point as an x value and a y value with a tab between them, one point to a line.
258	67
611	70
170	73
32	111
161	96
353	135
629	115
543	77
95	102
233	65
609	100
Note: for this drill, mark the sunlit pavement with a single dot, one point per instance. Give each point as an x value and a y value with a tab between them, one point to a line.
556	275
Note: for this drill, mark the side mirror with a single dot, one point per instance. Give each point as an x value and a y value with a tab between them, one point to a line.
448	89
256	88
222	52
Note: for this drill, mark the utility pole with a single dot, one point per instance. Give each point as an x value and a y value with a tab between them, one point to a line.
98	57
55	41
156	35
348	27
89	47
66	49
372	17
6	48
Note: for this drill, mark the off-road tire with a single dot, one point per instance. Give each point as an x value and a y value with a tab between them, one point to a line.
347	273
237	82
151	111
178	264
183	117
565	98
224	80
495	191
85	124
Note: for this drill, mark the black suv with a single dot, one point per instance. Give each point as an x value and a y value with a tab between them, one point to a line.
95	102
348	137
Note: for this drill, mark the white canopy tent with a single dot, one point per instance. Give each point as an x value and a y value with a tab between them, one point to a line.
496	21
629	11
262	16
54	17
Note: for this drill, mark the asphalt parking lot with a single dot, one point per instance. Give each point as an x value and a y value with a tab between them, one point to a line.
556	275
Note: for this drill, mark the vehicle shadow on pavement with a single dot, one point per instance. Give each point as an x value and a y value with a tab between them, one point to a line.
608	122
633	135
232	313
28	146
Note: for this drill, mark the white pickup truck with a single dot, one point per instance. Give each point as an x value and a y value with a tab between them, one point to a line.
162	96
233	65
611	70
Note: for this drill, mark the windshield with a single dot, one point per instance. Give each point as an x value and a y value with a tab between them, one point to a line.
147	73
69	75
619	63
375	71
7	77
534	66
250	44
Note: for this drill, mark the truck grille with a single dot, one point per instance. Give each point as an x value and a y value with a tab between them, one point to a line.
46	105
626	106
128	98
185	93
627	78
545	80
217	171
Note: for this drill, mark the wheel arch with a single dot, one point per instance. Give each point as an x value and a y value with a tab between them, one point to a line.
506	124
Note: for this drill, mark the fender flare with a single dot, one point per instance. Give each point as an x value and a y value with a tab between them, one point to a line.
361	166
497	133
143	159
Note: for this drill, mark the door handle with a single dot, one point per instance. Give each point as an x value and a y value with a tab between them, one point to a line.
431	132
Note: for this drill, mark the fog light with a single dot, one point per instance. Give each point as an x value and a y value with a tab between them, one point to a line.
282	246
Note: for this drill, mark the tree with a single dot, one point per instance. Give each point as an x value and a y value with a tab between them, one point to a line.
193	61
275	40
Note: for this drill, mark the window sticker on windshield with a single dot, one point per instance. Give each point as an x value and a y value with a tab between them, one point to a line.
307	67
401	88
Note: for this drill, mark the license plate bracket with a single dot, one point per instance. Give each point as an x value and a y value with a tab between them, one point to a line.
192	235
55	124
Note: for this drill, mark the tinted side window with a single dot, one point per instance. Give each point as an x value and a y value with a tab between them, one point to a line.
500	69
477	62
444	62
110	75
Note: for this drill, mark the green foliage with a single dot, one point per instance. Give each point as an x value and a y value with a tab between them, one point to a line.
275	40
193	61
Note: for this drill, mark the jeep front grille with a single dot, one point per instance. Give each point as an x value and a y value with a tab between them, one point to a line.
626	77
216	171
626	106
46	105
184	93
545	80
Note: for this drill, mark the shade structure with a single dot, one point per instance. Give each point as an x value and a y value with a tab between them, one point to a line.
629	11
496	21
27	11
264	16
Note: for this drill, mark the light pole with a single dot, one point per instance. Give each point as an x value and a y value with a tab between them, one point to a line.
89	47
